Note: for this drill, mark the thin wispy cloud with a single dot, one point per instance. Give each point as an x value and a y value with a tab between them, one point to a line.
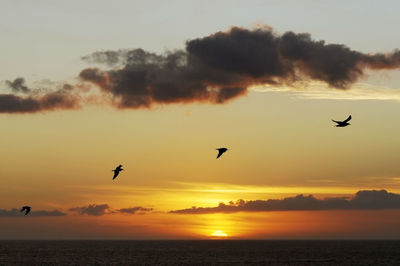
320	90
18	85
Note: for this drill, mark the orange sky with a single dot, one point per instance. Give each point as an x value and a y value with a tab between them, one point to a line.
280	146
280	137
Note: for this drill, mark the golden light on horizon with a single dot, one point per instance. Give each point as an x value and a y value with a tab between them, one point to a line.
219	233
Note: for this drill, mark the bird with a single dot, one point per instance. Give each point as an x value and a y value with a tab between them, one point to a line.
27	209
343	123
221	151
117	170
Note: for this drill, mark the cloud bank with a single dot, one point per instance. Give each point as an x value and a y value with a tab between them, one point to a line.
102	209
213	69
16	213
362	200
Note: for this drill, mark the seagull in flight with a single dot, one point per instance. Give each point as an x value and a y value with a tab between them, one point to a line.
221	151
342	123
27	209
117	170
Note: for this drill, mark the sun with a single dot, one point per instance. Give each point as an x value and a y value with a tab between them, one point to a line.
219	233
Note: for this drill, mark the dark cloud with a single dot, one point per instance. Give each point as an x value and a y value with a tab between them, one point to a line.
110	58
56	100
222	66
363	200
102	209
18	85
92	209
213	69
135	210
16	213
64	97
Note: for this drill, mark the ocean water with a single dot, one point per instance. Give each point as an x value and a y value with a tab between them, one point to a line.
213	252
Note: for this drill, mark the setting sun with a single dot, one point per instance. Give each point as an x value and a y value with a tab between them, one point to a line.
219	233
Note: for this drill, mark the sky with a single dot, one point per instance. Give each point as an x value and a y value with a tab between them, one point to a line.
157	87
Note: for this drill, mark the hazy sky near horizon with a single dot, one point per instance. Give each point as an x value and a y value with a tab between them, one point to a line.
281	140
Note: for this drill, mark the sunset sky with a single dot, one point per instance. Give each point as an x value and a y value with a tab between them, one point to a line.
73	106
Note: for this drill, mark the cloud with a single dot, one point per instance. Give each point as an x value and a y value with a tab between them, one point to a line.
41	213
18	85
58	100
362	200
38	100
102	209
213	69
224	65
92	209
109	58
134	210
319	90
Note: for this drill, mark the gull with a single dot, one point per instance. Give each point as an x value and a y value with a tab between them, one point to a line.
117	170
27	209
221	151
342	123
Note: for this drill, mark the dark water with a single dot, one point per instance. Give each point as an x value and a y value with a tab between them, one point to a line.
200	252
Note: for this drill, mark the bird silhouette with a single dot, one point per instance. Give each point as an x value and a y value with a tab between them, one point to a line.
27	209
342	123
221	151
117	170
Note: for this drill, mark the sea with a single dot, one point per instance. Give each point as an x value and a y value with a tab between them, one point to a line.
202	252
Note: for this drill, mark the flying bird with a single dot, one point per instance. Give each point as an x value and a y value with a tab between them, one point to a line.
221	151
27	209
117	170
342	123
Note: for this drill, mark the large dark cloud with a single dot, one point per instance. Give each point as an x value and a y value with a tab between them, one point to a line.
102	209
224	65
363	200
16	213
213	69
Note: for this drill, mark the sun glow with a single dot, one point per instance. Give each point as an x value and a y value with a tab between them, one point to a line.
219	233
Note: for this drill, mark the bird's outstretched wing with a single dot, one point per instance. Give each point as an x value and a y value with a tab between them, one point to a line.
336	121
221	151
348	119
115	174
27	211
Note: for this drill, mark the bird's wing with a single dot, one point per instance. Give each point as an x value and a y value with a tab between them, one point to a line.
115	174
348	119
23	208
336	121
220	152
27	211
